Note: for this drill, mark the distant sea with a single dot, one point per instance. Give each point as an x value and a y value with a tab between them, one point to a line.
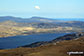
71	19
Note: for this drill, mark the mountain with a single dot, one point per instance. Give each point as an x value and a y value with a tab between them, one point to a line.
28	20
38	19
6	18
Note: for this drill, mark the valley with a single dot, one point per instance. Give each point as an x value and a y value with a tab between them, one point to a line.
39	36
14	27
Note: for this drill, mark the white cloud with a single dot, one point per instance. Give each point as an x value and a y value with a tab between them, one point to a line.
37	7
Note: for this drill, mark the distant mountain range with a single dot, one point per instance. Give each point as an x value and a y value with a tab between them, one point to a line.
27	20
38	19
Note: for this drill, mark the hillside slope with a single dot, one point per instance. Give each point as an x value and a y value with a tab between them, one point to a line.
54	49
12	28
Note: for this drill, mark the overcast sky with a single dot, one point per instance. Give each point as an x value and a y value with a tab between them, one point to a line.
43	8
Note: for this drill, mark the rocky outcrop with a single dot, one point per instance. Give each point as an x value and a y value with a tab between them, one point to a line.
62	38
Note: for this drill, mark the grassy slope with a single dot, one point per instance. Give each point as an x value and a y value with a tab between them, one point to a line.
10	28
60	49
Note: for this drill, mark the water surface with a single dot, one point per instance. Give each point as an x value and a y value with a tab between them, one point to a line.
15	41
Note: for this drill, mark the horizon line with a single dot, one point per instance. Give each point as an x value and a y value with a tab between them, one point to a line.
42	17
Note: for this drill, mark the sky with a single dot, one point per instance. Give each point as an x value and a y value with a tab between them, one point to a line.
42	8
